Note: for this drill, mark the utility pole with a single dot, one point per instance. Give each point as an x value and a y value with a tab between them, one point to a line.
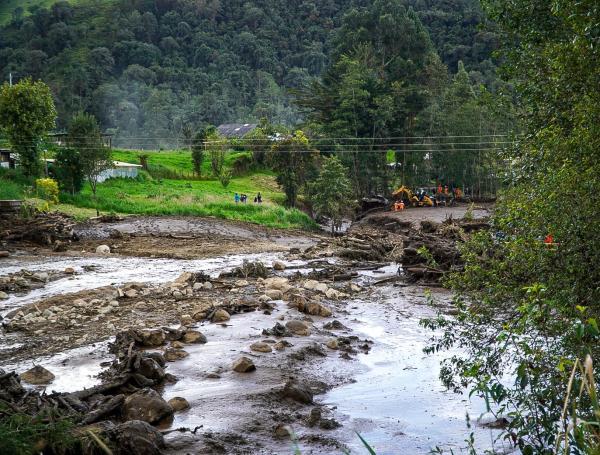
10	79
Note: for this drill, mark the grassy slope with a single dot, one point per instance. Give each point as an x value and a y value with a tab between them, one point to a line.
180	197
196	198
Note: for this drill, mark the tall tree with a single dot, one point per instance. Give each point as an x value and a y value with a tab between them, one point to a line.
529	309
331	193
27	113
85	137
292	159
375	87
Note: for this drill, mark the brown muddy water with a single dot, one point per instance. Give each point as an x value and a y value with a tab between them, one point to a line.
391	395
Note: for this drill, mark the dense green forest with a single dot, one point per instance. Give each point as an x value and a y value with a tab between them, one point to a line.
150	68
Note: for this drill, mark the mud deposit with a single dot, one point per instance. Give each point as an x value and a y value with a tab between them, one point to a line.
331	357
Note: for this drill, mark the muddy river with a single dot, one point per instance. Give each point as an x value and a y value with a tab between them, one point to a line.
391	395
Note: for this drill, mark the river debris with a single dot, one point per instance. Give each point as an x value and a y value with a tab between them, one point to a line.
42	228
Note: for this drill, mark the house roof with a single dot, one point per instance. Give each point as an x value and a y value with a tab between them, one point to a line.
235	129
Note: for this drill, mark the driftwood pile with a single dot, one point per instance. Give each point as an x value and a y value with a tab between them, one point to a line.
47	229
111	410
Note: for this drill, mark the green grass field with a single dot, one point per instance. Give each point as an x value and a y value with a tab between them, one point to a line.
174	160
155	196
194	198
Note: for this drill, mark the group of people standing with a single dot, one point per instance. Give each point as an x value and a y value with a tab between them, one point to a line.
243	198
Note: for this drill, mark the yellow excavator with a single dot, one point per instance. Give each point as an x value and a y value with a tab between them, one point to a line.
405	195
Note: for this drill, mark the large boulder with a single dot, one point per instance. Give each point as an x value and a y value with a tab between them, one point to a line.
37	375
151	369
179	404
243	365
261	346
298	327
193	336
138	438
146	405
221	316
152	338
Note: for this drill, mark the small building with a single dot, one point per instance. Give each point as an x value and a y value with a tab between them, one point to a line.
236	130
120	170
60	139
7	159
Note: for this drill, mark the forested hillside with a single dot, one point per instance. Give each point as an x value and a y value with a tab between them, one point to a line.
148	68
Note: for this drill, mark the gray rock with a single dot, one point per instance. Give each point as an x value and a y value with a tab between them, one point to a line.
298	327
139	438
297	392
259	346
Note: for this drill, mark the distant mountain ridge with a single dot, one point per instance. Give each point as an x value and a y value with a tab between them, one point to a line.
147	68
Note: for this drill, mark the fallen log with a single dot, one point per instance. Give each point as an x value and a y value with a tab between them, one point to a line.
104	410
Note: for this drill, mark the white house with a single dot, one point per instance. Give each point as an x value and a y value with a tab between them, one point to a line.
120	169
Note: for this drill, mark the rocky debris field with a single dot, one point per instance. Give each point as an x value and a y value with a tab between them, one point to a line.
296	341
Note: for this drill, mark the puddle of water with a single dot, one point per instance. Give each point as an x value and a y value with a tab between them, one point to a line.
74	369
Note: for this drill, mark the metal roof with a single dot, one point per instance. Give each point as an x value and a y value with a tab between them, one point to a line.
238	130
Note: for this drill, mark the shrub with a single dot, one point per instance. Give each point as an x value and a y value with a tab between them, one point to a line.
225	178
47	189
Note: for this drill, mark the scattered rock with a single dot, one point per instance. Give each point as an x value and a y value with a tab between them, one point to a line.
146	405
298	327
69	270
37	375
274	294
241	283
185	277
192	336
259	346
131	293
139	438
177	344
172	355
152	338
186	319
332	344
178	404
221	316
4	254
151	369
278	265
279	283
103	249
297	392
282	431
243	365
334	325
208	285
281	345
3	295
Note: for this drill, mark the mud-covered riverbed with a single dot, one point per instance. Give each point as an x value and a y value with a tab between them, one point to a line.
374	380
